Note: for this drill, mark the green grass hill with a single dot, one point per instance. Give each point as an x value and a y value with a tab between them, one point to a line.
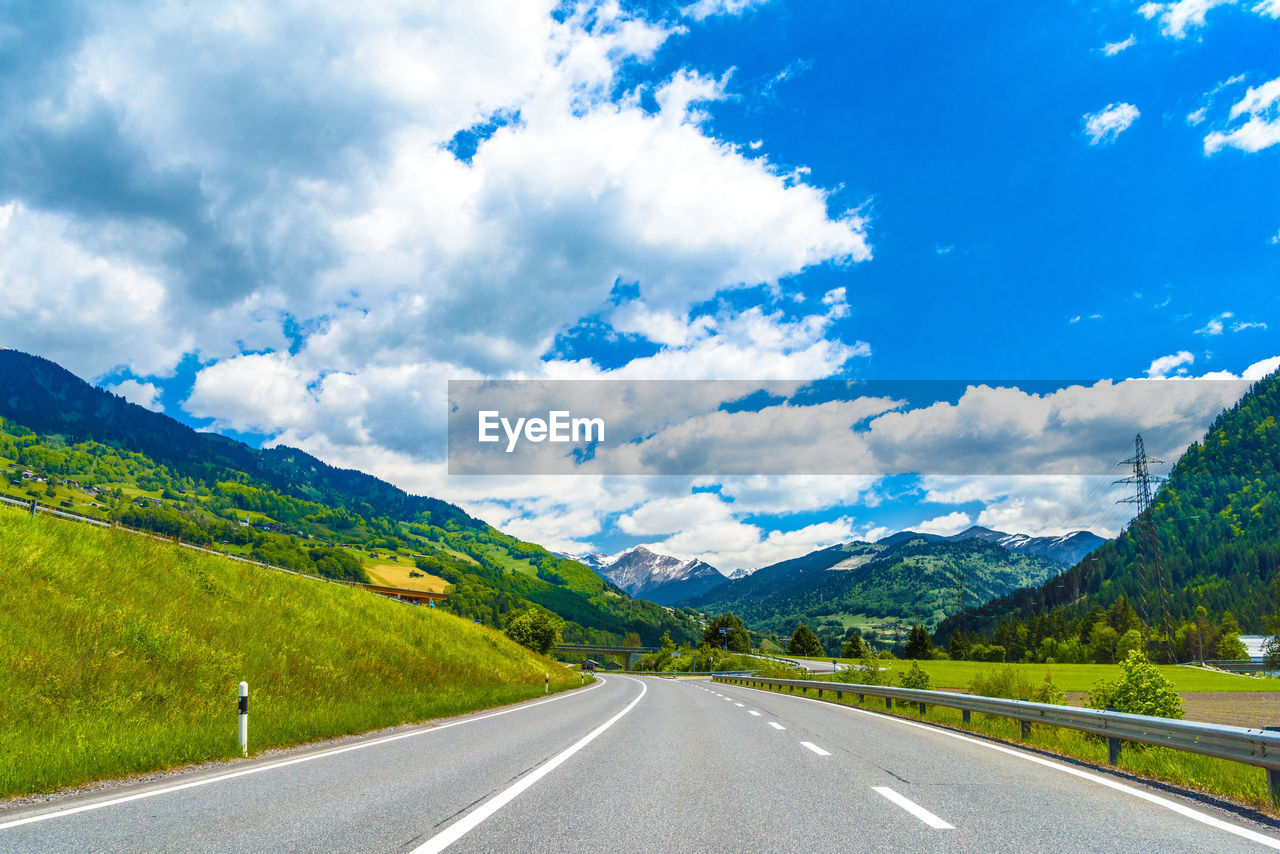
122	654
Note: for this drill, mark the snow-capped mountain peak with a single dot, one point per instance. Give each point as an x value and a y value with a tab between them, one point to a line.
659	578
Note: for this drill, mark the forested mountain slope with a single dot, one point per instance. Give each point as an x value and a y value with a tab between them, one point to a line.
1217	518
905	577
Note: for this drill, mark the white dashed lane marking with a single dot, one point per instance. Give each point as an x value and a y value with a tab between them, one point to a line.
914	808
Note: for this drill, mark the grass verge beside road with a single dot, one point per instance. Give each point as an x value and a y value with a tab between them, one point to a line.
121	654
1244	784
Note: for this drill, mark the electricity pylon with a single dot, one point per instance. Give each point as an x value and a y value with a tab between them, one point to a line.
1153	569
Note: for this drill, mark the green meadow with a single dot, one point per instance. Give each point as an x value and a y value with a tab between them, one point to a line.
956	675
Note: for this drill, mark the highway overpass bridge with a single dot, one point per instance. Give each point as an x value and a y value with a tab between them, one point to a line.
631	654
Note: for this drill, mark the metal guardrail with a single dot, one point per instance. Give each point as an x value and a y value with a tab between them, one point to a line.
53	511
1240	666
1260	747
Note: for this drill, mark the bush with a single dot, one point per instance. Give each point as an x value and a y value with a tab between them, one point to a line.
1142	690
913	678
984	652
1047	692
1007	682
867	672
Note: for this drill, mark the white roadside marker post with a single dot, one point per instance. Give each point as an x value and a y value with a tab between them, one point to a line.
244	718
546	683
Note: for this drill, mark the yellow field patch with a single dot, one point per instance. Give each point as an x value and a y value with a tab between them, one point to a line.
397	575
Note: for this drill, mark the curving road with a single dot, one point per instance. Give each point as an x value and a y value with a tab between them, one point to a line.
643	764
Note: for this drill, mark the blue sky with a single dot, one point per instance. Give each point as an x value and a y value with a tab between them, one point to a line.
294	223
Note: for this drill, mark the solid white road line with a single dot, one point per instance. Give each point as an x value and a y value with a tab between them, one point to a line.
914	808
465	825
1181	809
815	748
258	769
776	725
753	712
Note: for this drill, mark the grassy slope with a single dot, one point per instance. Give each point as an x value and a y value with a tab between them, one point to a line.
120	654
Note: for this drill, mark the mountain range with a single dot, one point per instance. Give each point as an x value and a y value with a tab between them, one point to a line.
1066	549
906	576
659	578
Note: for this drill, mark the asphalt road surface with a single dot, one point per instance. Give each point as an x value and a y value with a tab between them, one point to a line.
643	764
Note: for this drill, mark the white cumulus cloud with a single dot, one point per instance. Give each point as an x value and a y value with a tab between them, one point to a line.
1261	129
1109	122
1162	366
1112	48
146	395
1178	17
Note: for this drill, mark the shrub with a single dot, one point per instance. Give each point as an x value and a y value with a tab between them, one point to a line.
1007	682
984	652
1047	692
867	672
1142	690
913	678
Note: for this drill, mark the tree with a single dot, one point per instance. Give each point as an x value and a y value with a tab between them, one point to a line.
667	644
1231	648
538	630
1121	616
958	647
1103	641
1271	650
738	640
804	642
919	645
853	646
1130	640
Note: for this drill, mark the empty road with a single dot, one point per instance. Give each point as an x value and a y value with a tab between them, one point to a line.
642	764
